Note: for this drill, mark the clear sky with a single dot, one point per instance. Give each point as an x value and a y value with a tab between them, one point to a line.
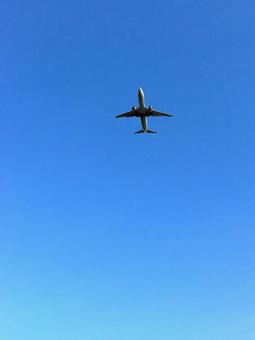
107	235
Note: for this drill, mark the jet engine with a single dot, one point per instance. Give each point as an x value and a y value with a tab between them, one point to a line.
149	108
133	108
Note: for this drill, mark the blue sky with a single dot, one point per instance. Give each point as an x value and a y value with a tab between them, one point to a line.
109	235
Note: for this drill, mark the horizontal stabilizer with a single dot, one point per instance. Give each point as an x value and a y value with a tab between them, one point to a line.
145	131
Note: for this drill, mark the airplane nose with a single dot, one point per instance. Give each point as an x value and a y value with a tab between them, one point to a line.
140	91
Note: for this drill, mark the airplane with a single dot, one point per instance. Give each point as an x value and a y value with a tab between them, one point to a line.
143	113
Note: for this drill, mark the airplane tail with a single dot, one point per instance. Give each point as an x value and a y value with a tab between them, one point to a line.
146	131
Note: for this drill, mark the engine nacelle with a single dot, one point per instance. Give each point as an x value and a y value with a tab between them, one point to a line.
149	108
133	108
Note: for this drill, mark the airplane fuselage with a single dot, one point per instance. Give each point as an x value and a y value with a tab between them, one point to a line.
142	110
141	99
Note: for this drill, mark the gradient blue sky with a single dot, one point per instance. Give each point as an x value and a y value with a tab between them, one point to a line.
107	235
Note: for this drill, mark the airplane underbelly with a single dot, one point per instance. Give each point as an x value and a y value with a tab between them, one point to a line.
144	122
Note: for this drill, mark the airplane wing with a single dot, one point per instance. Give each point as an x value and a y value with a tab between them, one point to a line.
158	114
127	114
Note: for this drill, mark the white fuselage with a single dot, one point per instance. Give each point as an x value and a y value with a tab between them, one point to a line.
142	110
